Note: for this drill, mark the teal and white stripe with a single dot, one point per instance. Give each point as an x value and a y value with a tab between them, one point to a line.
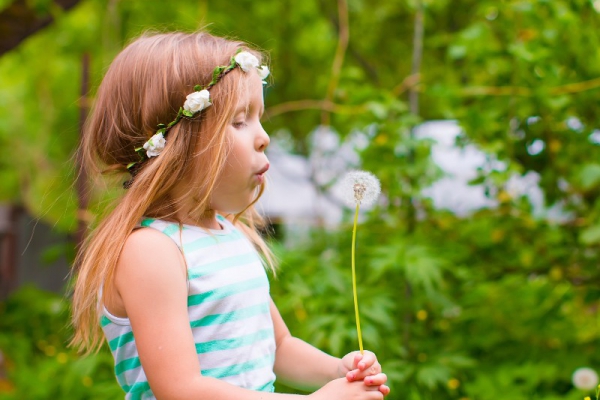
228	307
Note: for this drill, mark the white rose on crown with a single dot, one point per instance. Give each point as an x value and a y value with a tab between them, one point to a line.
263	72
155	145
246	60
197	101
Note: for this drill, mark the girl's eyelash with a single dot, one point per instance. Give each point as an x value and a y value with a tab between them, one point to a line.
239	124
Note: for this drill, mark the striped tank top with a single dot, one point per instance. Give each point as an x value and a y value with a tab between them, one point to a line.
228	307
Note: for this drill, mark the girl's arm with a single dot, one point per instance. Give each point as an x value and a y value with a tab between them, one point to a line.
298	364
302	366
151	286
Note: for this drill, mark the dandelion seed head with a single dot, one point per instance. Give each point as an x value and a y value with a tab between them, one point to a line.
360	187
585	378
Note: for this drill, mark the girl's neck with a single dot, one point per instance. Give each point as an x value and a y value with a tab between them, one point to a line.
207	220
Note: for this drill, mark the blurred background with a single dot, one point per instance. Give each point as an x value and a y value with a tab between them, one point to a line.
478	267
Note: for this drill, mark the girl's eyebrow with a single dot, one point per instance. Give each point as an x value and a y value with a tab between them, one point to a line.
243	108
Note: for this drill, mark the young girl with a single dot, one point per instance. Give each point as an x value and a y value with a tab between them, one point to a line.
172	275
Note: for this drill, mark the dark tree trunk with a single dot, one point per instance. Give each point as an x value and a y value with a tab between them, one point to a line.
9	215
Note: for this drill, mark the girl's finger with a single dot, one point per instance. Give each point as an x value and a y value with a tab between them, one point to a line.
358	375
384	389
355	375
376	380
357	358
351	375
367	360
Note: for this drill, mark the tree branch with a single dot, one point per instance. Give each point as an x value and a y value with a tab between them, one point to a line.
413	103
417	56
19	21
569	88
370	70
338	61
323	105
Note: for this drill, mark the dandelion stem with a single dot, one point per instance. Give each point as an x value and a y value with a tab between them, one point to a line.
360	344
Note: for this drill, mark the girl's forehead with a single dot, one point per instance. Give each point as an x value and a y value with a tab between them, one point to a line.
251	96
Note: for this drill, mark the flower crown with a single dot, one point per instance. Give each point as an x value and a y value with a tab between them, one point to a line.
194	104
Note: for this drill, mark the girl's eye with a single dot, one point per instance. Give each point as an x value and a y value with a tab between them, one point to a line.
239	125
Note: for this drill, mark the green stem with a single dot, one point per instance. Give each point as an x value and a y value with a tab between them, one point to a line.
360	344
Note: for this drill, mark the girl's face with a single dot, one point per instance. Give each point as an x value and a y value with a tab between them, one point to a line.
246	161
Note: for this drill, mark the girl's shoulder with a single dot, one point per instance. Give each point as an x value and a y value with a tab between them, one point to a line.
148	257
145	244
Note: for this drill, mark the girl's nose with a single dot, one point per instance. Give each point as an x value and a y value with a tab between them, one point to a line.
263	140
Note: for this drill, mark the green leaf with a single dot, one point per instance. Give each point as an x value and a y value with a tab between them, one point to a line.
378	109
216	72
433	375
422	268
589	176
456	52
197	88
188	113
590	235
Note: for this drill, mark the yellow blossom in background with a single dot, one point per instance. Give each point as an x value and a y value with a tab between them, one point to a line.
50	351
556	273
87	381
62	358
498	235
421	315
453	384
504	196
381	139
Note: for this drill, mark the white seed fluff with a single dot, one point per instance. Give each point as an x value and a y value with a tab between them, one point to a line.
360	187
585	378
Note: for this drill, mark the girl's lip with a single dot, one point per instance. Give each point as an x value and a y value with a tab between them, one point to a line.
263	169
260	175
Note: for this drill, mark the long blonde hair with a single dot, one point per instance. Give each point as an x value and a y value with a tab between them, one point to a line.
144	86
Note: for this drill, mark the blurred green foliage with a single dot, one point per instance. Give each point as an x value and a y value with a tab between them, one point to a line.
502	304
37	364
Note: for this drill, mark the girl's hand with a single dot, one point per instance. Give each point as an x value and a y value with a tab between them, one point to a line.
365	367
342	389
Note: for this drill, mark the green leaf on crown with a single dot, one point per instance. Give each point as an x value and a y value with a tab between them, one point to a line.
216	72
